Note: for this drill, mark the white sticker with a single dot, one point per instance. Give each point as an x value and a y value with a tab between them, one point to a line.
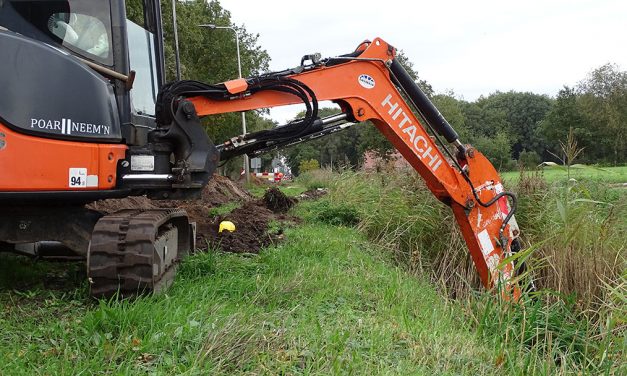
142	163
92	180
78	177
366	81
486	244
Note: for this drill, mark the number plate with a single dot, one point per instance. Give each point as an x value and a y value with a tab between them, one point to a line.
78	178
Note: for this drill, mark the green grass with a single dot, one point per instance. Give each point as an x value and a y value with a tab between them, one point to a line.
610	175
224	208
325	302
577	231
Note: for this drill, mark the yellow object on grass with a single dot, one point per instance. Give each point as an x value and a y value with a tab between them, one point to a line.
226	225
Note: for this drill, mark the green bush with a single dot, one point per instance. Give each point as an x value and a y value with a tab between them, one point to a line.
529	159
337	214
308	165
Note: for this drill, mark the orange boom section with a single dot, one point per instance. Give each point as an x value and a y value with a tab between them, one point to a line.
364	87
31	163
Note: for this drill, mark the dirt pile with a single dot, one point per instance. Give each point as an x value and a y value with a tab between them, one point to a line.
251	219
251	230
277	201
220	190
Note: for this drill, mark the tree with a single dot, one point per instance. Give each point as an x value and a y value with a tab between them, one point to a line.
308	165
596	111
497	149
565	115
603	103
522	112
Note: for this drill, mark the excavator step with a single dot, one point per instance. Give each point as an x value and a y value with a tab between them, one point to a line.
135	252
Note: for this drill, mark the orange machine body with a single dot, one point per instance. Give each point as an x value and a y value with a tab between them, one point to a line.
30	163
364	88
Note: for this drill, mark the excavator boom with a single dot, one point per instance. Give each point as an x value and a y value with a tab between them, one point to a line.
371	85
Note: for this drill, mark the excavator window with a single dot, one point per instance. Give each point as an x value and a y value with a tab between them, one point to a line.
82	26
143	61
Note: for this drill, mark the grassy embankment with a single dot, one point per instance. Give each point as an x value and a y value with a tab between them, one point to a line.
576	233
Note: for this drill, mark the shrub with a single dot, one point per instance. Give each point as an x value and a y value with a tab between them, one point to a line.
308	165
337	214
529	159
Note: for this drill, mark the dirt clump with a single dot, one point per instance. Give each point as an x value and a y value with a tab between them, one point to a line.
277	201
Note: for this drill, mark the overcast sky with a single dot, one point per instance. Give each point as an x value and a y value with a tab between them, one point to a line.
470	47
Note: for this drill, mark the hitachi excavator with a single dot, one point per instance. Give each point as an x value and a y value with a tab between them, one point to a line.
86	114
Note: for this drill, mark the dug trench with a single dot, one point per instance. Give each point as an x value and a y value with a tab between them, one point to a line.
252	218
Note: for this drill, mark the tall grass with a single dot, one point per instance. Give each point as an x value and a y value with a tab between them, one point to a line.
577	233
583	231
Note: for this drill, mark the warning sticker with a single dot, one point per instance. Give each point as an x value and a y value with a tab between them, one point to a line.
78	177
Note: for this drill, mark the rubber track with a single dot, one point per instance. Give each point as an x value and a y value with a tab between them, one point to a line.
122	257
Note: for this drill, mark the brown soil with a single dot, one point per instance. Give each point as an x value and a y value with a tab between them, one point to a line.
277	201
220	190
251	230
251	219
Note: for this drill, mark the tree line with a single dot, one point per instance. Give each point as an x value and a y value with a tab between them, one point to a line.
511	128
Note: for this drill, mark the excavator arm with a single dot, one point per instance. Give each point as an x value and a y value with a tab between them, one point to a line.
371	85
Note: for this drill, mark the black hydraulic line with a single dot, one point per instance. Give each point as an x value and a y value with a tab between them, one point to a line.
423	104
306	138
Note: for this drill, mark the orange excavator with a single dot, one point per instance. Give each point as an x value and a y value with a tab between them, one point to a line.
86	115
